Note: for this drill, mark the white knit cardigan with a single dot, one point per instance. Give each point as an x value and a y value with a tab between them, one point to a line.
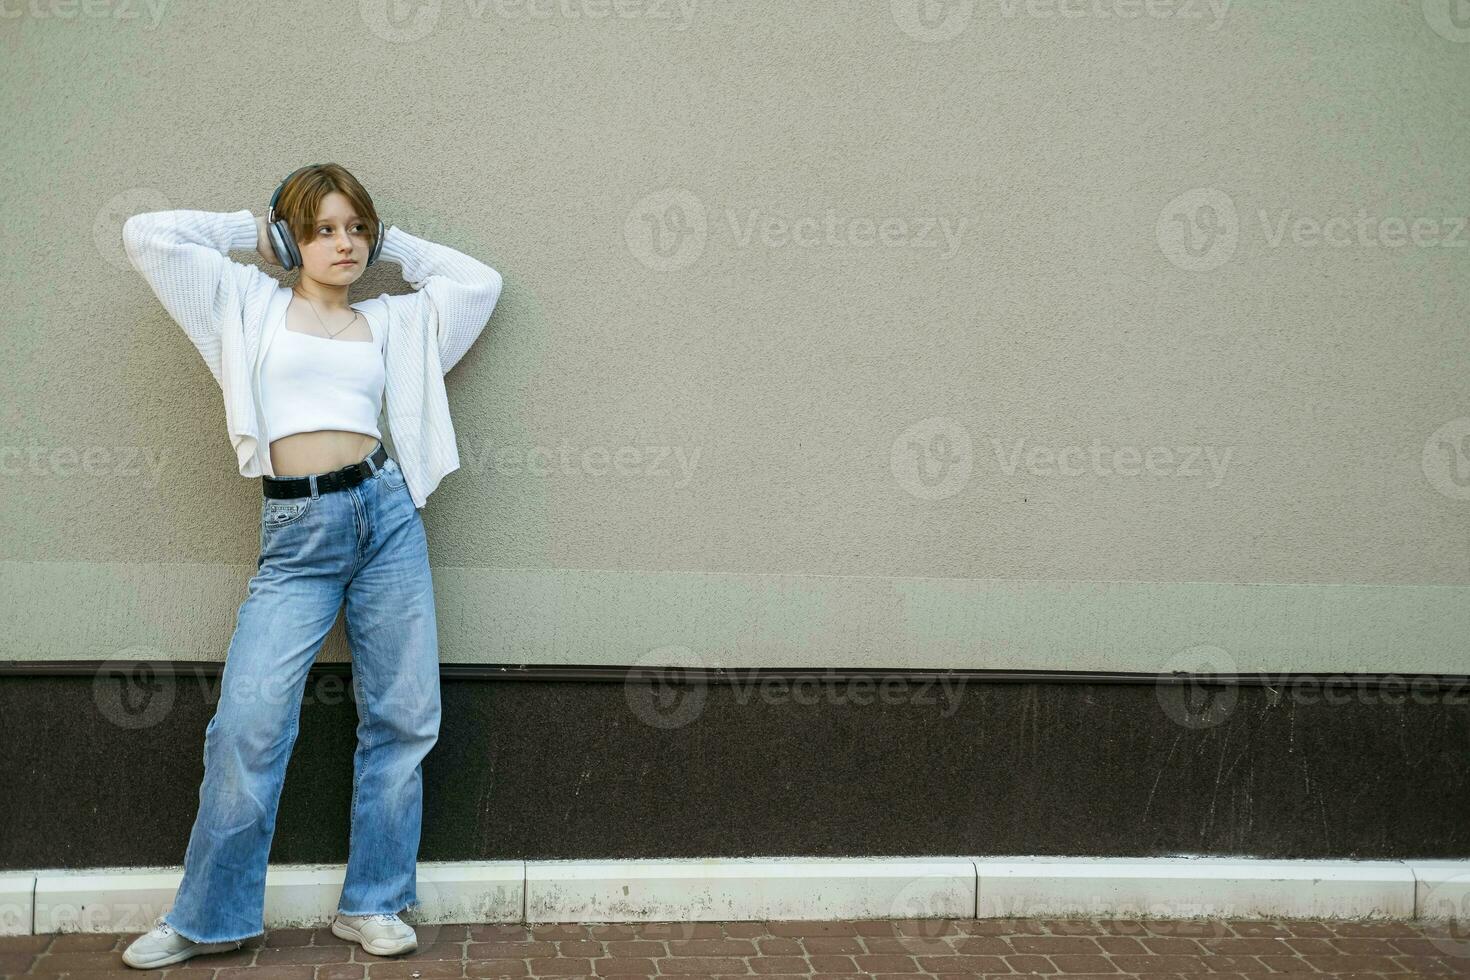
232	311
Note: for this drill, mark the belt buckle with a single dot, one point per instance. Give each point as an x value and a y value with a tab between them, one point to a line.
351	475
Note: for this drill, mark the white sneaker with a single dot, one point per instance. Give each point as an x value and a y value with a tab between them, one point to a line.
161	946
383	934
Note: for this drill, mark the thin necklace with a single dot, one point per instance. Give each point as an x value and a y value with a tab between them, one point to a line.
330	335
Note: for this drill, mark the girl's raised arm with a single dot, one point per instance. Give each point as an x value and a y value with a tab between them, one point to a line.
183	255
455	293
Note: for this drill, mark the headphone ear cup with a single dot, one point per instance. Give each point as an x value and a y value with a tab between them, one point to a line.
284	245
377	245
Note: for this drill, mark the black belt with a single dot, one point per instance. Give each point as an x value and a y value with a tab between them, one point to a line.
348	476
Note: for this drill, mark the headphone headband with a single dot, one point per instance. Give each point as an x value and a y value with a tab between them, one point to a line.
282	186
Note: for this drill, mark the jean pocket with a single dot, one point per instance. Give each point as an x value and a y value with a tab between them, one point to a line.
393	477
277	512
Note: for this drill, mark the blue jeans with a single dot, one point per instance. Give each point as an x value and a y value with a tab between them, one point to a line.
364	544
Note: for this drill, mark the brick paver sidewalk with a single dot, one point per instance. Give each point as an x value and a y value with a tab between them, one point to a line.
910	950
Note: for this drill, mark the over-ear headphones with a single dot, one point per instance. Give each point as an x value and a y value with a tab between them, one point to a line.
284	243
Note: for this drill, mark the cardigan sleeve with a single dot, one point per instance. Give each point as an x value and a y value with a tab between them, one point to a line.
454	293
182	255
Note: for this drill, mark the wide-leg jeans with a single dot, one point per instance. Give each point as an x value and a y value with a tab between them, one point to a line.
365	545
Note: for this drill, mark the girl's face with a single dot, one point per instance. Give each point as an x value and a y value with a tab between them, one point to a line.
335	253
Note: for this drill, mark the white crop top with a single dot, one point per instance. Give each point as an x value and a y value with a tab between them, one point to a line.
309	383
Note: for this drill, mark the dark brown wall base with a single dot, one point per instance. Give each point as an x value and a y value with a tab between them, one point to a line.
103	770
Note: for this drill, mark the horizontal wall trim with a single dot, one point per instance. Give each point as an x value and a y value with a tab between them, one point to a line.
785	888
1453	683
608	617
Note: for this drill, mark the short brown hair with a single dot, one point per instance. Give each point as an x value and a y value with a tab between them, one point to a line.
304	192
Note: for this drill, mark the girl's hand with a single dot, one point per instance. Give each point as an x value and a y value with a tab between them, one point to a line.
263	242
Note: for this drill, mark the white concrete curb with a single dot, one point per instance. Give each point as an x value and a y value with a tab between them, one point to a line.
731	889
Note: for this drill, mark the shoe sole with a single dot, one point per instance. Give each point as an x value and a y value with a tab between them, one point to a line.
198	949
342	930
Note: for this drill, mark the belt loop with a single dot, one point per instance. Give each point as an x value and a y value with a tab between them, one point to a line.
371	465
314	493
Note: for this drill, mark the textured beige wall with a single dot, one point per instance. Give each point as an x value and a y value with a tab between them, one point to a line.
813	316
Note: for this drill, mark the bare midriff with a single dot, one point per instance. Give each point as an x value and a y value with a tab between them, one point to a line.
319	452
324	450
